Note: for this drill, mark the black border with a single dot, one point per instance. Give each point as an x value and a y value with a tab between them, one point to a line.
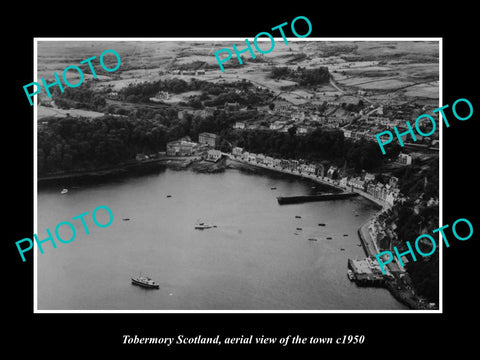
409	334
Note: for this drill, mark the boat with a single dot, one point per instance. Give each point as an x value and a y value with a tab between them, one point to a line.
273	188
312	239
64	191
342	249
201	226
298	217
329	238
351	275
145	282
299	228
345	234
169	196
126	219
321	224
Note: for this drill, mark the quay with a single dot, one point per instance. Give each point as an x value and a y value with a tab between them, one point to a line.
366	272
308	198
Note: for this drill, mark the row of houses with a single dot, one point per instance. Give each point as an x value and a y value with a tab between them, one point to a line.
388	192
298	166
385	192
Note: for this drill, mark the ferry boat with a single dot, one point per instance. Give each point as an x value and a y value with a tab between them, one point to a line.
145	282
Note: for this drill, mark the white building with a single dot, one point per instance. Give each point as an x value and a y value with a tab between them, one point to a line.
214	155
404	159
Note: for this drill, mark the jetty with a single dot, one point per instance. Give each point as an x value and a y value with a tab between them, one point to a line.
282	200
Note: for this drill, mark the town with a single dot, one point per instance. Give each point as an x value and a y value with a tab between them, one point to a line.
309	109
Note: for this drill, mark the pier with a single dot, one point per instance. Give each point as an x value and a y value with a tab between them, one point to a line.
282	200
366	272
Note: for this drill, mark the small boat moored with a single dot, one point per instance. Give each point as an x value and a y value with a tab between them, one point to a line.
64	191
202	225
145	282
351	275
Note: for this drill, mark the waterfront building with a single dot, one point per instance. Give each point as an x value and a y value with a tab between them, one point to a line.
366	272
260	158
252	157
237	151
181	147
269	161
214	155
277	162
378	190
343	181
208	139
294	165
285	164
356	183
393	196
371	188
311	169
303	168
332	172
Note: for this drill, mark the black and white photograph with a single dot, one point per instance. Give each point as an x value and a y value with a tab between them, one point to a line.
247	186
218	179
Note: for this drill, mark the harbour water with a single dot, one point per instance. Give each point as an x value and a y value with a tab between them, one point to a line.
261	255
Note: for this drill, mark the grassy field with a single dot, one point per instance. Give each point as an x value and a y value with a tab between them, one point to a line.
407	69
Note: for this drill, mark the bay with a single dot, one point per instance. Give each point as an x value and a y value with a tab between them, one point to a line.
255	259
